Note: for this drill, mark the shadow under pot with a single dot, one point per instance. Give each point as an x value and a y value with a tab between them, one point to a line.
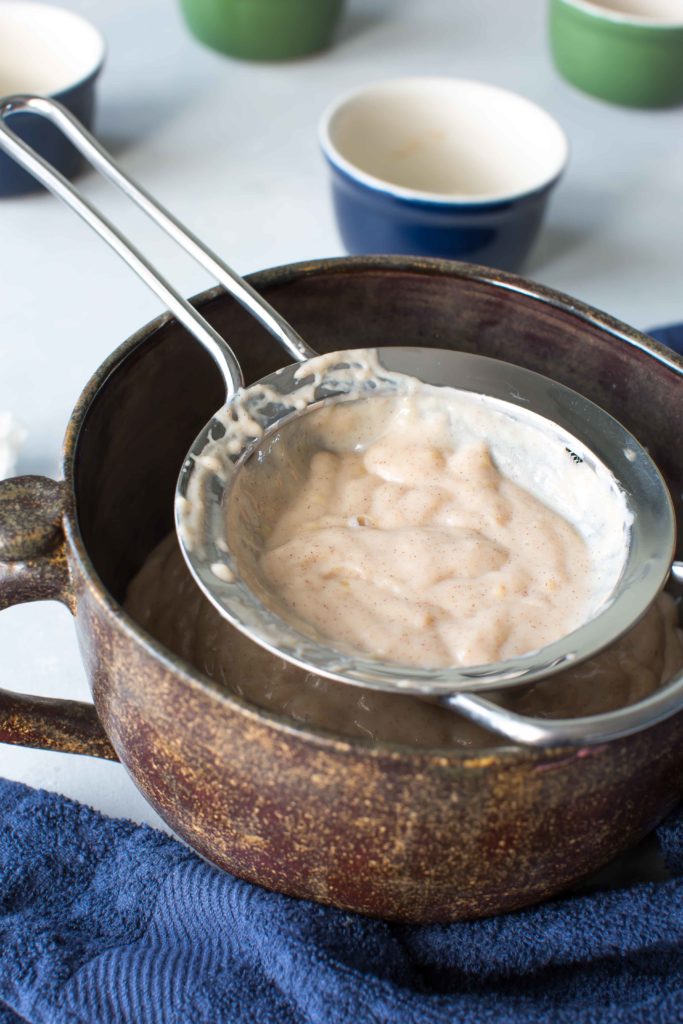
403	832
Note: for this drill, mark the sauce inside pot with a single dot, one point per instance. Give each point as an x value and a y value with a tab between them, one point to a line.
164	599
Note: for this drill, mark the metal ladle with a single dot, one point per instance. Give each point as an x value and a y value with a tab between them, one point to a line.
278	399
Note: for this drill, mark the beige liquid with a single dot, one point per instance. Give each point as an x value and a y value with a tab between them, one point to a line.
415	548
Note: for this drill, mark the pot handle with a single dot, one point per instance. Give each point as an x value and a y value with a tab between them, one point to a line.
33	567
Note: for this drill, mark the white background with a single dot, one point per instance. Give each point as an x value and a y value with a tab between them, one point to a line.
231	148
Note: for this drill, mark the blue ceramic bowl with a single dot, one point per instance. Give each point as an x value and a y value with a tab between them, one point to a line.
441	167
53	52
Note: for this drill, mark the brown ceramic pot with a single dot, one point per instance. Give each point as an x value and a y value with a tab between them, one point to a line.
403	834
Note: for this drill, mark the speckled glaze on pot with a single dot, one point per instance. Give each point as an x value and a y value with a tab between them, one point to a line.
389	831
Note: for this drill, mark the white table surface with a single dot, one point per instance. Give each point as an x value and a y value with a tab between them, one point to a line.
231	148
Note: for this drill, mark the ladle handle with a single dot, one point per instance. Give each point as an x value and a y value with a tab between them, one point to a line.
102	161
576	732
572	732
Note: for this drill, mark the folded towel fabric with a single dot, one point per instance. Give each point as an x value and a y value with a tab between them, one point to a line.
104	921
672	335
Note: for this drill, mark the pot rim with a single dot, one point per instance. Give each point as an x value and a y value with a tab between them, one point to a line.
481	757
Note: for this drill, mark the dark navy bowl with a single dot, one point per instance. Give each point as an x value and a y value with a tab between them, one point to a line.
495	234
440	167
61	56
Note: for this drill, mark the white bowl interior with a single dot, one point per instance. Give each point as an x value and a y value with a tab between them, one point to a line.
657	12
448	139
45	49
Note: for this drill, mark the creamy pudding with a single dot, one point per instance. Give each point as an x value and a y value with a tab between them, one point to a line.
416	535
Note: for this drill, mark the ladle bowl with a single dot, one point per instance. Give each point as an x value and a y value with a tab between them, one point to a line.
230	469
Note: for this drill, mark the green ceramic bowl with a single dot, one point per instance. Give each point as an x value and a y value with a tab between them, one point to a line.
625	51
263	29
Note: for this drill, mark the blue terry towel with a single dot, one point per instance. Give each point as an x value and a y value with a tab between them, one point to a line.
671	336
106	922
